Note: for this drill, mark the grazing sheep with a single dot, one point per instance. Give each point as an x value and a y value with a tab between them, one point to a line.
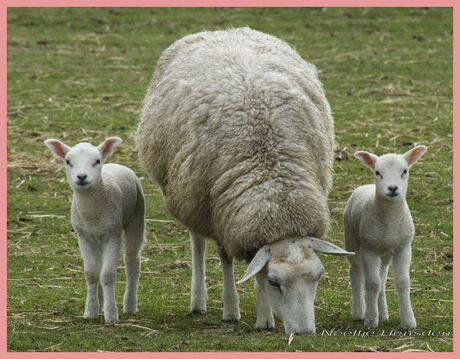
108	203
379	228
238	133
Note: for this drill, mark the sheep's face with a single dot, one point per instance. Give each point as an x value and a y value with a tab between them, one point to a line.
289	283
83	162
288	273
391	171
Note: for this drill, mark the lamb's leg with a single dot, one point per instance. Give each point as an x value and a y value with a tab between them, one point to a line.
110	256
357	286
371	265
265	320
229	294
383	308
352	244
198	296
91	263
401	267
100	293
134	238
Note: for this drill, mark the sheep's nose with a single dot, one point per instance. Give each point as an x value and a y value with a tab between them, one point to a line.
82	177
393	189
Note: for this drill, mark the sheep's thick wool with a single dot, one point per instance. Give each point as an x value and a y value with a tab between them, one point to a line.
237	131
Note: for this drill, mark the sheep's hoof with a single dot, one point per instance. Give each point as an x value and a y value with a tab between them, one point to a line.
266	327
231	318
198	311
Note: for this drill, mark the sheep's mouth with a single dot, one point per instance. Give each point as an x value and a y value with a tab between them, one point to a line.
392	195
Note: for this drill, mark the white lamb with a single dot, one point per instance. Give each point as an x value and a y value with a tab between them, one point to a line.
237	131
379	228
108	204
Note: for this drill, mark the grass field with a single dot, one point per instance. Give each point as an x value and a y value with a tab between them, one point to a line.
81	74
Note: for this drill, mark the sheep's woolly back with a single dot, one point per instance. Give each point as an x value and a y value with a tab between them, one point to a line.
237	131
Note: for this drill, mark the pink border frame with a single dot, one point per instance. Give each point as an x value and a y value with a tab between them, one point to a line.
4	4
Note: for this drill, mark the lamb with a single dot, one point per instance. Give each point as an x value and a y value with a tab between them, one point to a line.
108	205
379	228
236	130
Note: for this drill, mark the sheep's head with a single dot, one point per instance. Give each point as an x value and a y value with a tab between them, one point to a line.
391	171
288	272
83	162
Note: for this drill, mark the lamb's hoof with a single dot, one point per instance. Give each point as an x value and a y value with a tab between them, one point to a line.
357	315
371	322
130	310
383	317
111	320
409	324
129	304
91	314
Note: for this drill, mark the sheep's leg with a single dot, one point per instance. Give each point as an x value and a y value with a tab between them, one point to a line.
401	267
134	238
198	296
371	265
357	286
91	263
383	308
110	256
265	320
229	294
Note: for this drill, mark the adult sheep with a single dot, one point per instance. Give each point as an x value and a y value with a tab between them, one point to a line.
237	132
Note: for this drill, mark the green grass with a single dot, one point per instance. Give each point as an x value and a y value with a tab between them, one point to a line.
81	74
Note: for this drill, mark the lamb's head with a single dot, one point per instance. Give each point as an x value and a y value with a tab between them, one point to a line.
288	272
391	171
83	162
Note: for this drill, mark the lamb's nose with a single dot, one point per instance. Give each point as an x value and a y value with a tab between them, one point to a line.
82	177
393	189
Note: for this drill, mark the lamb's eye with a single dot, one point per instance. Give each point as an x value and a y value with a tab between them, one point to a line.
96	163
377	173
68	163
404	172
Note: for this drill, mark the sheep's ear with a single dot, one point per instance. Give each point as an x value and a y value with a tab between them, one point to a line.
258	262
58	148
321	246
108	146
414	154
367	158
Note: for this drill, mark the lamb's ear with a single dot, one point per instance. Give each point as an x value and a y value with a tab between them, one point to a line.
108	146
258	262
321	246
58	148
367	158
414	154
